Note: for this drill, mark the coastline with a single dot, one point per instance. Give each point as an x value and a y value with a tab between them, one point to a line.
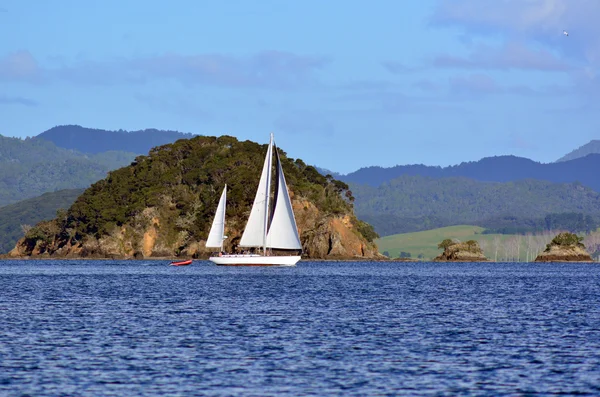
354	259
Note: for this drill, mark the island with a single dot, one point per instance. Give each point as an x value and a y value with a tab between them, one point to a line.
163	204
455	251
565	247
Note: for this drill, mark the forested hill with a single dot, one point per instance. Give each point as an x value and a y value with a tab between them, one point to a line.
30	167
491	169
163	205
90	140
16	218
414	203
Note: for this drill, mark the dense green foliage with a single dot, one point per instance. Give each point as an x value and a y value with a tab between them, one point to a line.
91	140
186	178
113	159
414	203
570	221
14	218
446	243
566	239
30	167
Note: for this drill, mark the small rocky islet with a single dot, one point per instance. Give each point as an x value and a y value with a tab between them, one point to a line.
565	247
455	251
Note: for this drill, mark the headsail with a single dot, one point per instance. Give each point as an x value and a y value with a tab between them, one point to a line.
255	232
283	233
217	230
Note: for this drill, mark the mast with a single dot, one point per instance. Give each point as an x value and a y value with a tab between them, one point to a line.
224	203
267	194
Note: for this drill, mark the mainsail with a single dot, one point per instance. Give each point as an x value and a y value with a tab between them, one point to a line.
217	230
256	228
283	233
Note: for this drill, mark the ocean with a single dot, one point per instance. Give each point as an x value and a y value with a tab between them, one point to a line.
143	328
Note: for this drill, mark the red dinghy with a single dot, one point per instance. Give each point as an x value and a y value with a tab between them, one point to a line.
182	263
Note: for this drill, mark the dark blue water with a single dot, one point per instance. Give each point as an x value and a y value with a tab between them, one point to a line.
144	328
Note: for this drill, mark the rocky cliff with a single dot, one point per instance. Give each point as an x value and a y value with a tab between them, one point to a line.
461	252
163	204
565	247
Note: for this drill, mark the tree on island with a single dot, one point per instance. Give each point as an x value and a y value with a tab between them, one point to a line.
566	239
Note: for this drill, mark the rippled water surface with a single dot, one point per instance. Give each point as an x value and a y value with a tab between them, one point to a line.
321	328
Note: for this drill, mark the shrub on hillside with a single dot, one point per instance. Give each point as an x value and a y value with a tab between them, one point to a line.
566	239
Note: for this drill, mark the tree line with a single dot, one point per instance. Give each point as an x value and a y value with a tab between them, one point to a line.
416	203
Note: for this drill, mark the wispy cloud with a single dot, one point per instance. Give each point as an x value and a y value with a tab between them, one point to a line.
476	85
539	20
367	85
17	100
304	122
516	141
174	103
20	66
531	31
532	16
268	69
397	67
511	55
428	85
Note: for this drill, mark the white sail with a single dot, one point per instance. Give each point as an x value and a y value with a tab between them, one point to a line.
255	232
283	233
217	230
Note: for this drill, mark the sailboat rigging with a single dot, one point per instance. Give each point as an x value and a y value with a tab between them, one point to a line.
267	228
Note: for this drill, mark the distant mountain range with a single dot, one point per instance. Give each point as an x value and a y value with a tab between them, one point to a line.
589	148
90	140
490	169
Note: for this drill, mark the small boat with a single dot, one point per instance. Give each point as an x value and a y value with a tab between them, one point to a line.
267	228
182	263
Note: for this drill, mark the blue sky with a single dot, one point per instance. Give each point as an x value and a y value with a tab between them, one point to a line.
342	84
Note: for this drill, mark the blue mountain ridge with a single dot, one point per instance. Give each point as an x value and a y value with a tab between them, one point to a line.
490	169
93	141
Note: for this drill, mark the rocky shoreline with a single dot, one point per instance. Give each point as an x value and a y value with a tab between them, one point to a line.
564	254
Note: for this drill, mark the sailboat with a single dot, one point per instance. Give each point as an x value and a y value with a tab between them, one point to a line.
267	228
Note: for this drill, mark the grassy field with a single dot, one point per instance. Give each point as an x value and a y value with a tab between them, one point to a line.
425	243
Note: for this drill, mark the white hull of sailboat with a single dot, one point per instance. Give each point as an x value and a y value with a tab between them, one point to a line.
254	260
